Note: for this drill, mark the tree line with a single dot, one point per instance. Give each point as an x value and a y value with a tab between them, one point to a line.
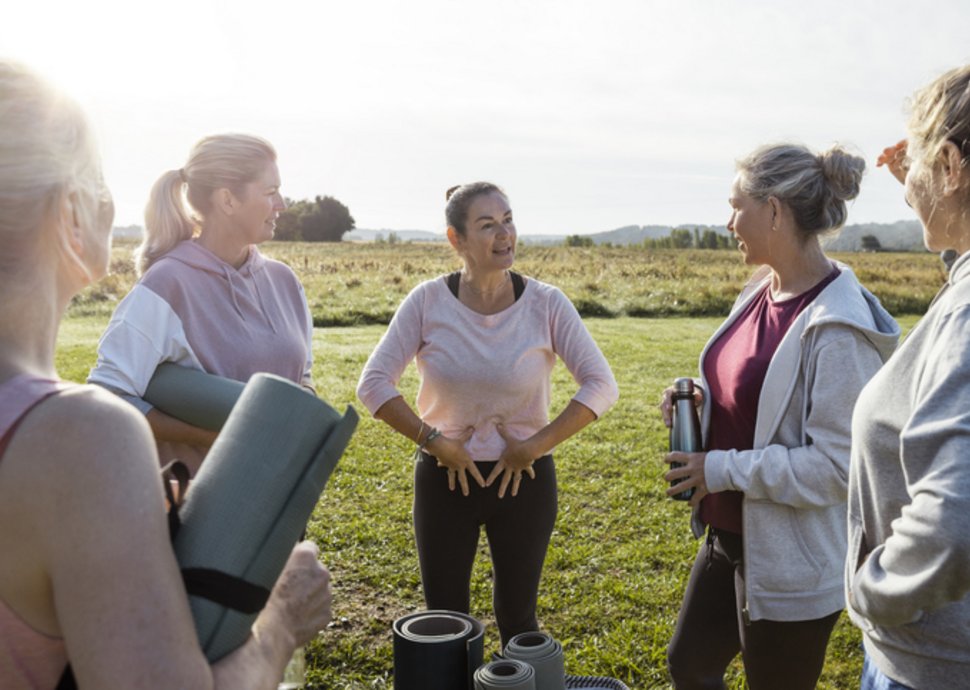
321	219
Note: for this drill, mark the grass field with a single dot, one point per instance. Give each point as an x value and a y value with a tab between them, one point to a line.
360	283
621	551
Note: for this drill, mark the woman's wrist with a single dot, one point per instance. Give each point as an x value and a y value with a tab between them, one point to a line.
433	435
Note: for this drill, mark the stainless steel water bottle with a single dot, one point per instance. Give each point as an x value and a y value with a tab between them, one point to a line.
685	429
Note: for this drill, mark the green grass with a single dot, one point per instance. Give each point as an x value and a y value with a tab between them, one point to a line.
351	284
620	554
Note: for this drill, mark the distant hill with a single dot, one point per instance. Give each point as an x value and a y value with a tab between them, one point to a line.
362	235
903	235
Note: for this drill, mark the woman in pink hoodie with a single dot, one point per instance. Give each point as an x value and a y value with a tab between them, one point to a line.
207	298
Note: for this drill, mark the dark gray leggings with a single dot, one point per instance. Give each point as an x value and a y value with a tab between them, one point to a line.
447	526
710	631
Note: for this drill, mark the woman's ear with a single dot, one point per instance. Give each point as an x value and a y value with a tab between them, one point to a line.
954	174
70	227
225	201
775	205
453	238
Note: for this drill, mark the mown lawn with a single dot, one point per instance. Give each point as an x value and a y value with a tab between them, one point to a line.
620	554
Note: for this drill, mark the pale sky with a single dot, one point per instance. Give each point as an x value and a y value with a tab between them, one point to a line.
592	115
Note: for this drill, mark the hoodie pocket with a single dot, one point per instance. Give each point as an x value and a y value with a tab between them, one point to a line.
778	558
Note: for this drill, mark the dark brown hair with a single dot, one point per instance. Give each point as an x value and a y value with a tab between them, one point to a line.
460	198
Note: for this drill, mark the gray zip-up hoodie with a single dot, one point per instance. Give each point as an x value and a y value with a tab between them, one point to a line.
908	566
795	478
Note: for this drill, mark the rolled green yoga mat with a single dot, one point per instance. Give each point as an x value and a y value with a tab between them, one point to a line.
437	650
253	495
193	396
544	654
507	674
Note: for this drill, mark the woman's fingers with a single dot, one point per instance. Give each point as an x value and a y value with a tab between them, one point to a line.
506	478
476	475
496	471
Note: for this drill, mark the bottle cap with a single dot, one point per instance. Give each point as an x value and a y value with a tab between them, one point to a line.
684	386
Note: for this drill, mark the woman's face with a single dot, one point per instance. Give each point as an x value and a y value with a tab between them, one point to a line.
260	204
95	252
489	240
750	223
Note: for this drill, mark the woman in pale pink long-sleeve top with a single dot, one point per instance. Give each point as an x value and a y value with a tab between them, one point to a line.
485	340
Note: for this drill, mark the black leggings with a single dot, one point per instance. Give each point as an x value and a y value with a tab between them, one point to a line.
447	526
710	630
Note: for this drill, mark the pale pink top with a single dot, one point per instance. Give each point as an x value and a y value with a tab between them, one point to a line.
29	660
478	370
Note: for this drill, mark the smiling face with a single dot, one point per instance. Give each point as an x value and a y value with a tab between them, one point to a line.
259	205
751	224
488	243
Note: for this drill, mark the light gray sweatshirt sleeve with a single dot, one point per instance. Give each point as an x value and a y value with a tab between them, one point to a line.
925	562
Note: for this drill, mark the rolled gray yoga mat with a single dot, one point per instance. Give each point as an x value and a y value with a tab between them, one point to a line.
193	396
437	650
253	495
507	674
544	654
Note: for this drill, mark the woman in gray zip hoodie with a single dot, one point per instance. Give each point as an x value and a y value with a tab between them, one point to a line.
779	379
908	565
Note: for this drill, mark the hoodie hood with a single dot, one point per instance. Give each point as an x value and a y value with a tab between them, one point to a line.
844	301
246	278
847	302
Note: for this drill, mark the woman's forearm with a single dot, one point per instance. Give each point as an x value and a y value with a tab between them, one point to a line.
397	414
574	417
168	428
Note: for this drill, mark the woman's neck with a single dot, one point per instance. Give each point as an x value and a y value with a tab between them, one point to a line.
486	293
28	335
484	282
799	270
220	241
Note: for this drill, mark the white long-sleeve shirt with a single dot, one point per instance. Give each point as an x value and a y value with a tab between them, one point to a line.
478	370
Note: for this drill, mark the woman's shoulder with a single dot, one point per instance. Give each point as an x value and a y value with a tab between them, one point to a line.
81	434
546	294
85	411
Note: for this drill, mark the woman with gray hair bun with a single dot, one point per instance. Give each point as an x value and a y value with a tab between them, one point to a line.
778	381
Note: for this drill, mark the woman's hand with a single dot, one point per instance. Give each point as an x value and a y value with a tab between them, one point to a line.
451	454
517	458
894	158
301	598
691	471
667	403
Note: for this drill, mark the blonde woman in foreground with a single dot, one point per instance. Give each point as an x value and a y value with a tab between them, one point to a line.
88	572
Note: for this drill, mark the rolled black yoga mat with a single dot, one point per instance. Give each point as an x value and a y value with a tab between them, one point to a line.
437	650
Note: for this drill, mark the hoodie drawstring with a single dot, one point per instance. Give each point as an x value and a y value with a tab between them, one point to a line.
232	291
262	307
